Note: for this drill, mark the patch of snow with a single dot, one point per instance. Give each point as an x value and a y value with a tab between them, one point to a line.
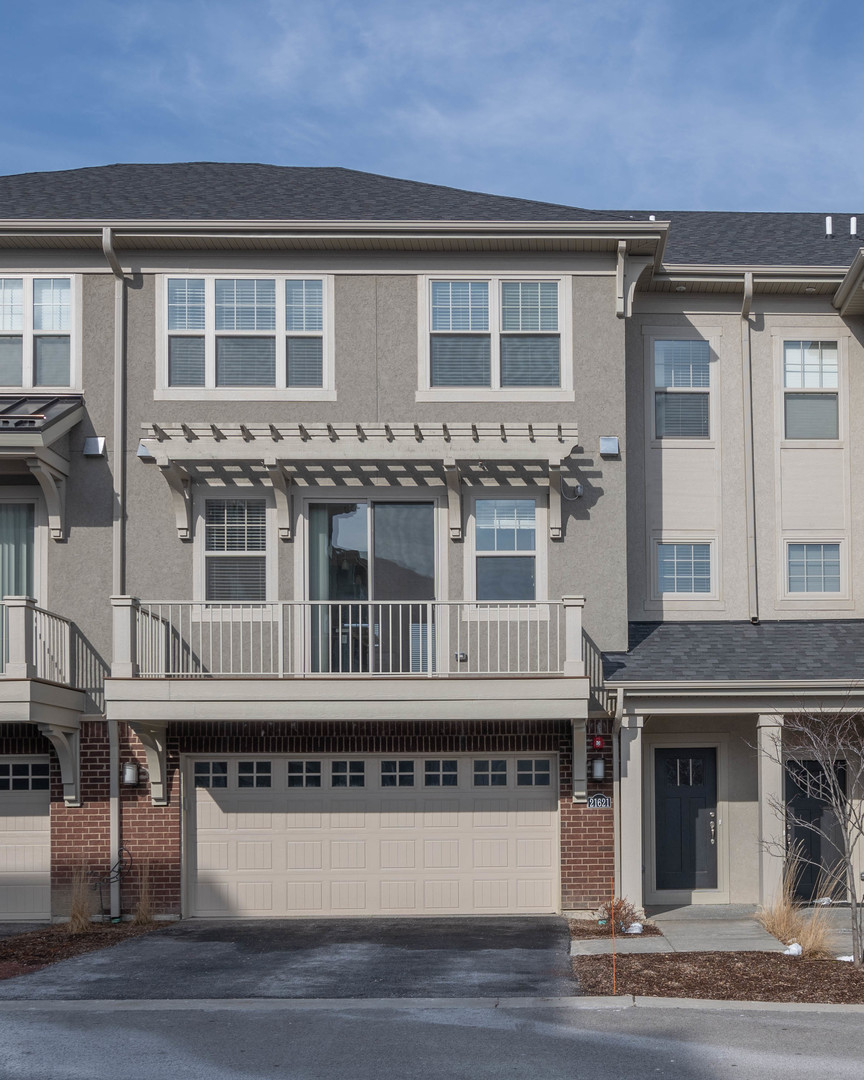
848	959
634	928
823	901
793	950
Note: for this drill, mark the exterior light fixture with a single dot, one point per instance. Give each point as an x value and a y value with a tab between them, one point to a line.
680	288
94	446
609	446
598	769
130	773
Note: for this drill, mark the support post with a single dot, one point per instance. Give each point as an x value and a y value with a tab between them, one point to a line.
20	616
67	743
454	498
574	663
124	662
180	485
580	761
769	734
630	881
281	481
555	522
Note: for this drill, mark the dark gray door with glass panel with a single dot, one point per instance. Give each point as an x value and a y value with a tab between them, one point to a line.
685	814
371	587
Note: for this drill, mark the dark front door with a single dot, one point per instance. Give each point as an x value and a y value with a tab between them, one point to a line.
812	833
685	804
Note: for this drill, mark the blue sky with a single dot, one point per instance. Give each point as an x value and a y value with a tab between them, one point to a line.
663	104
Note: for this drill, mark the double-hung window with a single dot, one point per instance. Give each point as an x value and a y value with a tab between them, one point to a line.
496	334
36	332
235	551
682	381
810	388
813	568
684	568
505	546
247	336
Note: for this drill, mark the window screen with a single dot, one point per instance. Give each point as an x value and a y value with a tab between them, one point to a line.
812	416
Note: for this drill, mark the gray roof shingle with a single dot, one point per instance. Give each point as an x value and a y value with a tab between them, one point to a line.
795	650
205	191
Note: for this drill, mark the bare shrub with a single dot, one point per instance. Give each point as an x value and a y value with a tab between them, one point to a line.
782	917
80	909
620	913
143	913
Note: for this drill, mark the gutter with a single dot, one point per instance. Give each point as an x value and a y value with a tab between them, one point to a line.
749	465
851	283
118	537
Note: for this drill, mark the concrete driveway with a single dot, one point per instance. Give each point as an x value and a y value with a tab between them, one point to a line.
318	958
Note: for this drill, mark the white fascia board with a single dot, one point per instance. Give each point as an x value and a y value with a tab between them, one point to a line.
851	283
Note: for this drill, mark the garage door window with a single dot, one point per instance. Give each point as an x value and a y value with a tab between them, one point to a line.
304	774
490	772
397	774
211	774
348	774
532	772
24	777
253	774
441	773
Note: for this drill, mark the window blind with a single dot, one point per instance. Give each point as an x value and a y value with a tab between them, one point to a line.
51	364
52	303
304	305
506	578
237	579
305	361
460	305
11	305
681	415
682	363
684	568
461	360
812	416
186	361
245	304
11	361
529	305
235	525
810	364
814	568
245	361
530	360
186	304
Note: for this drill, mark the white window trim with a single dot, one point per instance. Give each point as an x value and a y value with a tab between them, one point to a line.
201	497
679	600
75	334
281	392
27	494
437	496
811	333
813	601
541	550
426	392
713	336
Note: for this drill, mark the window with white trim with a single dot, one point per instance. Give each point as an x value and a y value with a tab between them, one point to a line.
490	772
682	395
505	545
235	546
813	568
810	390
36	331
495	334
533	772
348	774
246	333
443	772
684	568
211	774
304	774
254	774
397	774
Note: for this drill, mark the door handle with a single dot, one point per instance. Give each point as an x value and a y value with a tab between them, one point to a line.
713	829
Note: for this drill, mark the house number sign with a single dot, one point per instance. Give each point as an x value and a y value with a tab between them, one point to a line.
599	802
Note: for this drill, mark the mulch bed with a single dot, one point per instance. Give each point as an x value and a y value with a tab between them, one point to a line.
588	928
23	953
751	976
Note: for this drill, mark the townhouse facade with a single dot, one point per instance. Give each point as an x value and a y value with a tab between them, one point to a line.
375	548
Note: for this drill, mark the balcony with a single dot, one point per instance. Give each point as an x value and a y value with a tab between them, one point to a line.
39	657
351	639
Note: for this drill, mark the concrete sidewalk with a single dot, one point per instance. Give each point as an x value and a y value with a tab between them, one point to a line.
712	928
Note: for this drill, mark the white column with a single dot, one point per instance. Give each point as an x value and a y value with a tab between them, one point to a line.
769	731
574	664
124	662
21	658
630	848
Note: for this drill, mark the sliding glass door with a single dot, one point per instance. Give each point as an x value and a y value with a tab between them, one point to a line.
371	583
16	558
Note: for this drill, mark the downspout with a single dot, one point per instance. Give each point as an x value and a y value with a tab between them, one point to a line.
616	785
118	583
749	464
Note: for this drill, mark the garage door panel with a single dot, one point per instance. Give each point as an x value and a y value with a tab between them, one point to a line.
25	842
372	850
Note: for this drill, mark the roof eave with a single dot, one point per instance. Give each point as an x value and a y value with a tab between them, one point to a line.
850	287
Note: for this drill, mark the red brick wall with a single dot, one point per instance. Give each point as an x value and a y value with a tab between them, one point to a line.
153	833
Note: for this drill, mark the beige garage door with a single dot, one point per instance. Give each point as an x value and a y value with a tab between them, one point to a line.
372	836
25	839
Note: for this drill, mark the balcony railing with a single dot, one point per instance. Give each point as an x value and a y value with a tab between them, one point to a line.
36	644
349	638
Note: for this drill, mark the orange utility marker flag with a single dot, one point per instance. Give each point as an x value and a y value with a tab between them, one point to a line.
612	897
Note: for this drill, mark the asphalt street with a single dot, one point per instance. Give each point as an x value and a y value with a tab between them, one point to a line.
475	1040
